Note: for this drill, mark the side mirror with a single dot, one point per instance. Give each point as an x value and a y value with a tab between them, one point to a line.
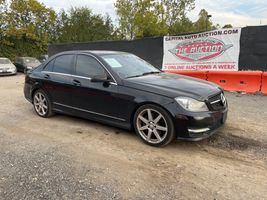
99	79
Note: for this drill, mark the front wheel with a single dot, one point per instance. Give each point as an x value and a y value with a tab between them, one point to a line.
42	104
154	125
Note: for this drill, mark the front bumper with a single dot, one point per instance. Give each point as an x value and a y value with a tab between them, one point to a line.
198	126
6	73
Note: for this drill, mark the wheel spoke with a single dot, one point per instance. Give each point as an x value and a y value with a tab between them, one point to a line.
37	99
36	107
43	111
157	134
161	128
45	106
150	118
143	128
143	119
39	108
40	97
149	134
157	119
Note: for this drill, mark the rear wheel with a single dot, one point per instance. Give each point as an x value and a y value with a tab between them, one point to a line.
42	104
154	125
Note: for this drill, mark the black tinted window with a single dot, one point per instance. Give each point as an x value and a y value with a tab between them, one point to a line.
63	64
18	60
89	67
49	66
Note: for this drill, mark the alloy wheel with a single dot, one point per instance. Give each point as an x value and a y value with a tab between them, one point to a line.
152	126
40	104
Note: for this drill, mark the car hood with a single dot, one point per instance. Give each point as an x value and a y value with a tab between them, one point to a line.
33	65
173	85
2	66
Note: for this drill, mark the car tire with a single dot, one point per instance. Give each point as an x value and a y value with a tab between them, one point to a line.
154	125
42	104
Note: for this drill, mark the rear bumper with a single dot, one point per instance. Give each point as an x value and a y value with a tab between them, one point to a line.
27	92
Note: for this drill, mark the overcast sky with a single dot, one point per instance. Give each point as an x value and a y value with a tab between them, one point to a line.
239	13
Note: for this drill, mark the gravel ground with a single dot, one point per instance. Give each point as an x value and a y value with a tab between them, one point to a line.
70	158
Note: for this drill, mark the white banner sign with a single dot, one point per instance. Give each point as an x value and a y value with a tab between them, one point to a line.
215	50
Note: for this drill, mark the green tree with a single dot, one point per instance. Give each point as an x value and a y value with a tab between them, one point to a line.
27	27
147	22
31	18
184	25
228	26
126	13
3	21
175	11
203	23
146	18
81	25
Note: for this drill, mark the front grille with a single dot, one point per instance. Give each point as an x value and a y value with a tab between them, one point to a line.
216	102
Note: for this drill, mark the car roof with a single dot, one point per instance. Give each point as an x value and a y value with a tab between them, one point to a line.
26	57
94	52
4	58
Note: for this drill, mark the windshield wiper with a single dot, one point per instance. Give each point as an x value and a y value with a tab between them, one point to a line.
134	76
147	73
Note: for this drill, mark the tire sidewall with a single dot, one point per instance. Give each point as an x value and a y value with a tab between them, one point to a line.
171	132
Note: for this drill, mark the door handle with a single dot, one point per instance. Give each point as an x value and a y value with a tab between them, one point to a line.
76	82
46	76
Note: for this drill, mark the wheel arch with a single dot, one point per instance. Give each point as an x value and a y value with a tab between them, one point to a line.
36	87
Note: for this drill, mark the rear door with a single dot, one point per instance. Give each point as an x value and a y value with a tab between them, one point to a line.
94	98
57	79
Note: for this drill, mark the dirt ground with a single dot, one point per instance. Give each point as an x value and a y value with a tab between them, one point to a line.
70	158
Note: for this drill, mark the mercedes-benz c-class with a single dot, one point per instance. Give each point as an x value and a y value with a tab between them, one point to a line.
122	90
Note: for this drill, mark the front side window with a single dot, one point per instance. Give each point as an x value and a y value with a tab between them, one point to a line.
63	64
89	67
49	66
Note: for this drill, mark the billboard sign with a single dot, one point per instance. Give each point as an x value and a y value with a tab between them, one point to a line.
215	50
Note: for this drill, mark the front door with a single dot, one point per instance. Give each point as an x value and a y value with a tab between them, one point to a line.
94	98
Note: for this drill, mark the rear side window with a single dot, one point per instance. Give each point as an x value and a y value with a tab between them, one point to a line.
89	67
18	60
49	66
63	64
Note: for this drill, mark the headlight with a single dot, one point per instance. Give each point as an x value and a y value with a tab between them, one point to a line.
192	104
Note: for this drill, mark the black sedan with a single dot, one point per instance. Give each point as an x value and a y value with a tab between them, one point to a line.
123	90
24	64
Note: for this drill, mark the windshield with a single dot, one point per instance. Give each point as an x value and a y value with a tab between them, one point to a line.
129	65
31	60
5	61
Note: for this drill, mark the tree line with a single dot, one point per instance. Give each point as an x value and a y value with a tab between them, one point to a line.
28	26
